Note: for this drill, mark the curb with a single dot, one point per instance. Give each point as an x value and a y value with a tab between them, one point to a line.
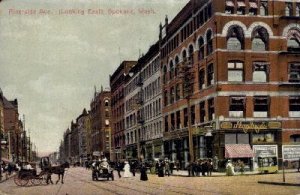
278	183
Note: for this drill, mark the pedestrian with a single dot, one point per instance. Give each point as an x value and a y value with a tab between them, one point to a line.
143	170
167	167
119	168
171	167
132	168
299	165
177	165
210	167
203	168
160	169
127	172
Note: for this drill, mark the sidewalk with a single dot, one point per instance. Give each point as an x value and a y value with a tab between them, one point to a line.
184	173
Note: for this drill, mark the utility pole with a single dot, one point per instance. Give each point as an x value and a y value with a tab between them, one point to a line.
187	76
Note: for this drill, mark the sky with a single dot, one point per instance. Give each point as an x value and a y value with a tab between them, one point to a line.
53	53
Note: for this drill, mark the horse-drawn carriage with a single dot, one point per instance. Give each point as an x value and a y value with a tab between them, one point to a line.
102	170
28	176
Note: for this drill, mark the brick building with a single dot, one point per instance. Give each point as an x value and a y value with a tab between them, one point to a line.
243	64
100	122
118	108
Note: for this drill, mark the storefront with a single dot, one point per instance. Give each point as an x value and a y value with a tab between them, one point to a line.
250	133
266	158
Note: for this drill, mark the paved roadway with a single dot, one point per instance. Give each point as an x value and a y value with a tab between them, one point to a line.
78	181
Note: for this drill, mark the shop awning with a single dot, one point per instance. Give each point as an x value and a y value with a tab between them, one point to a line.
238	151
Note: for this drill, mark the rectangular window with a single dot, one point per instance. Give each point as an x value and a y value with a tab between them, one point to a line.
260	71
261	106
237	107
177	96
235	71
178	124
210	74
202	112
201	79
211	109
185	121
166	124
172	95
166	98
229	7
294	72
288	9
241	10
172	121
253	7
193	115
294	106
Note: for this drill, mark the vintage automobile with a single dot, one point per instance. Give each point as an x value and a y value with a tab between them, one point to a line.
99	171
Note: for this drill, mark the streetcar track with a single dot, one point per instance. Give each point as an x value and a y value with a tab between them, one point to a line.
171	190
139	191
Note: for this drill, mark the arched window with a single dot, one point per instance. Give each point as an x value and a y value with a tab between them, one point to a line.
191	53
176	65
293	39
235	38
172	70
201	48
260	39
209	41
184	55
165	74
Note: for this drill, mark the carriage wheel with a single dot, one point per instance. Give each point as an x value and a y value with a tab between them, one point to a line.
24	181
17	180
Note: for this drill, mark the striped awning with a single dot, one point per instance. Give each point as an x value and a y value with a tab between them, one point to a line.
229	4
241	4
238	151
253	5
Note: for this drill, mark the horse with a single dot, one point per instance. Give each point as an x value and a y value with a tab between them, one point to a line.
58	170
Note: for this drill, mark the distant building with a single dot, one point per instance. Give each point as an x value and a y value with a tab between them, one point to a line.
82	136
100	122
117	85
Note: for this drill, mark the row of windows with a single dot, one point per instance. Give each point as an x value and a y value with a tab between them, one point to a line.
149	132
241	8
292	9
146	113
237	106
237	109
119	126
152	89
198	20
146	73
118	111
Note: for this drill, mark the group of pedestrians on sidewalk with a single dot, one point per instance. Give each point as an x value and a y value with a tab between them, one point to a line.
202	167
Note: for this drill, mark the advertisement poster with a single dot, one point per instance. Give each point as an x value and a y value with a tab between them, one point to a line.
137	97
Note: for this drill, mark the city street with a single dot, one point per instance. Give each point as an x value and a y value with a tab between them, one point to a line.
79	181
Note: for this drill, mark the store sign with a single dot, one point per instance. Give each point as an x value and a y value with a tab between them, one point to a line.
291	152
265	150
250	126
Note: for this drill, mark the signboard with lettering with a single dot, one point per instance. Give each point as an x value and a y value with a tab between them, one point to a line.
250	126
265	151
291	152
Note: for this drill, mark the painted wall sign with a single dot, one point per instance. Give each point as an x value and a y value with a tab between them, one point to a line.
250	126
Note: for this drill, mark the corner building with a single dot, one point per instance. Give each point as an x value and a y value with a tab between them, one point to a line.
243	58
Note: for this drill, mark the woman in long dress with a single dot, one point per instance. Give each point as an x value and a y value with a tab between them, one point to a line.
127	172
144	176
